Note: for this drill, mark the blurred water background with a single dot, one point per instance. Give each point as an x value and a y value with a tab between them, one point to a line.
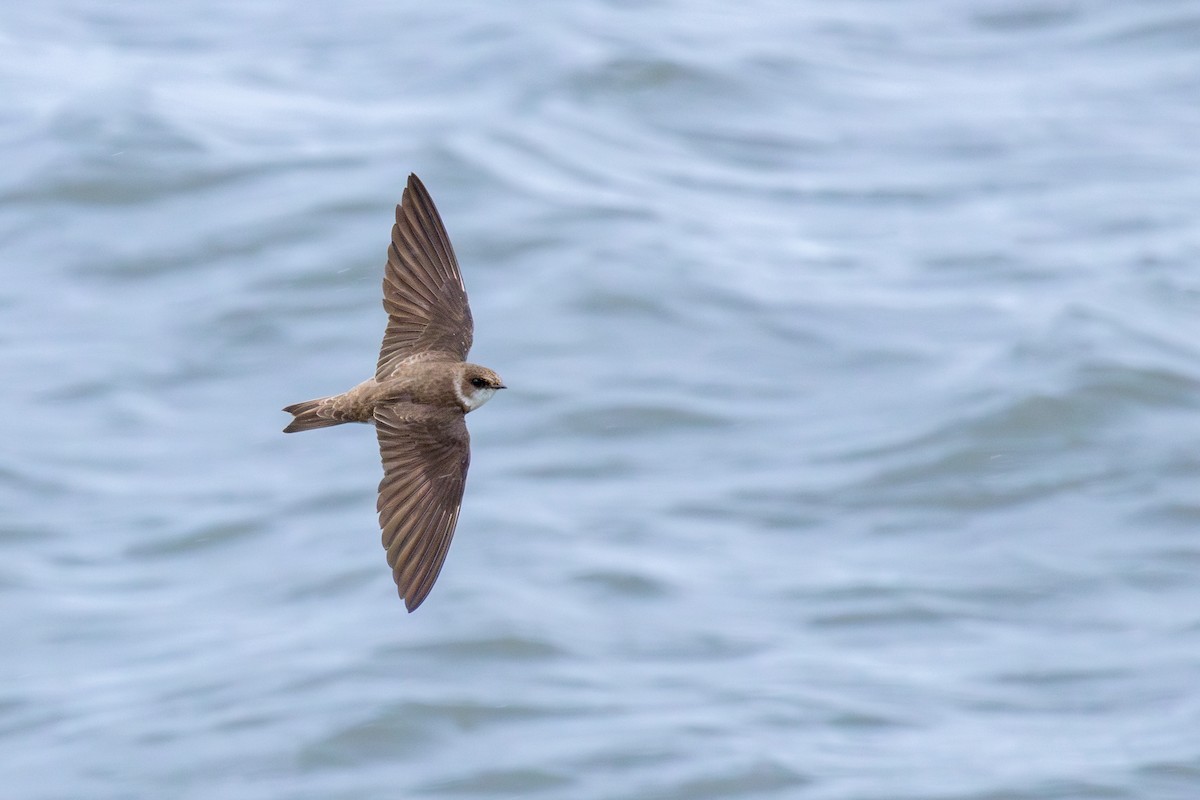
851	450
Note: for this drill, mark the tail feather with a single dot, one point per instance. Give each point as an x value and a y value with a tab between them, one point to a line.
311	414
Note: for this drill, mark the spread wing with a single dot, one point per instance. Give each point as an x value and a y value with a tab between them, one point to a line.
423	290
426	452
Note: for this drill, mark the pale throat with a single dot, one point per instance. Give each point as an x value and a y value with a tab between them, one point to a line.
477	397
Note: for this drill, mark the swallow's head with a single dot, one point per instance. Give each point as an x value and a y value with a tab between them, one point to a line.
477	385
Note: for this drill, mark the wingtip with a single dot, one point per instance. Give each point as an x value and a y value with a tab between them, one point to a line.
414	187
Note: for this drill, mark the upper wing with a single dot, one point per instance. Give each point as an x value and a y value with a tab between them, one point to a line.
425	453
423	290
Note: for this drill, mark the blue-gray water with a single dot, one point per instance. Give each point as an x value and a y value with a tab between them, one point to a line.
851	450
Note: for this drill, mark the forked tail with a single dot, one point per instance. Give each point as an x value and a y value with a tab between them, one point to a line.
311	414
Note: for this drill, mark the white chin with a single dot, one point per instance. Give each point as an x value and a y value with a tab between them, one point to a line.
479	397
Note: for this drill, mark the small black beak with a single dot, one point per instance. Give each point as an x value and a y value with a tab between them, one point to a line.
502	386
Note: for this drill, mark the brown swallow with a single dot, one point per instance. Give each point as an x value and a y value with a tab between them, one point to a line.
419	398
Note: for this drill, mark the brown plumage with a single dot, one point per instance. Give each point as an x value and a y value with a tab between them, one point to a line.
422	390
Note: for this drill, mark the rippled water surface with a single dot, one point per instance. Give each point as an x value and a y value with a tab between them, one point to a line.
851	450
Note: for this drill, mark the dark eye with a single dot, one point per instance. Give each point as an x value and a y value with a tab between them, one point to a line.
478	383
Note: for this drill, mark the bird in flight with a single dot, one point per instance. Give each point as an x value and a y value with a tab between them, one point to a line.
418	400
